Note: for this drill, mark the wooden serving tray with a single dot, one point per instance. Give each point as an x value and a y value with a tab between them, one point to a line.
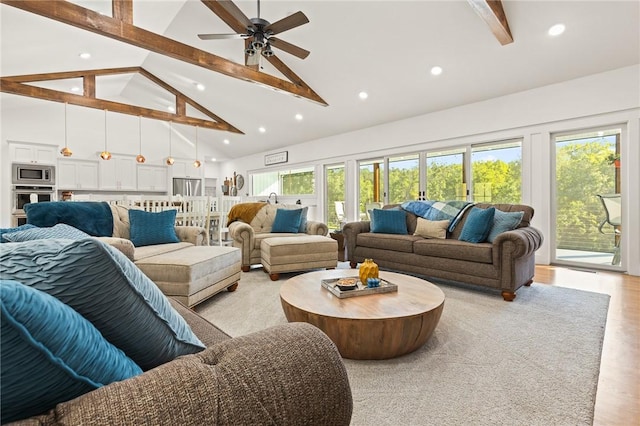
360	290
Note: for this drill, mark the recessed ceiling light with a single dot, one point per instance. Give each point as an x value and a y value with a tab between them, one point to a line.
75	89
213	159
363	95
262	129
200	86
299	117
226	141
556	30
436	70
85	55
171	109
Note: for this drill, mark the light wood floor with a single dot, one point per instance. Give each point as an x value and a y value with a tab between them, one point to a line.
618	397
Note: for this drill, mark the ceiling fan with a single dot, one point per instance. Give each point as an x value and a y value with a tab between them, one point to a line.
257	32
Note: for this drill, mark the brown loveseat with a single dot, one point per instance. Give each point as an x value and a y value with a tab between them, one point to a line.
290	374
506	264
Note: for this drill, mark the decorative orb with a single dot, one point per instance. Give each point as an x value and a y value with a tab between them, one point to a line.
105	155
170	161
197	164
140	158
66	152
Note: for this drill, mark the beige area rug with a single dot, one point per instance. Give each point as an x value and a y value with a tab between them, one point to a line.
534	361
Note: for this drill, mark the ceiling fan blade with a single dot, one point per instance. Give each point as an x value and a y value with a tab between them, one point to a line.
230	14
287	23
221	36
289	48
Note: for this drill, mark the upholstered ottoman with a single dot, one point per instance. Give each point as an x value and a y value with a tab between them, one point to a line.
289	254
193	274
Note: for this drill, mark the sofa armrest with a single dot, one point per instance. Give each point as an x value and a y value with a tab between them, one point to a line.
317	228
290	374
518	243
350	231
244	237
195	235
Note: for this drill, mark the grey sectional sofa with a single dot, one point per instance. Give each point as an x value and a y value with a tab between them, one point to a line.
506	264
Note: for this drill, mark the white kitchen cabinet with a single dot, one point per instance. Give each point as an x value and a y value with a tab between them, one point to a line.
152	178
118	173
77	174
33	153
185	169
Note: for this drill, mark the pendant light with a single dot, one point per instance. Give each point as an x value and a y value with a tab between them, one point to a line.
170	159
66	152
197	163
105	155
140	158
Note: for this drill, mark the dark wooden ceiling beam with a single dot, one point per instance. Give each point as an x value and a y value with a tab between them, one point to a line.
492	13
19	87
80	17
122	10
16	88
89	86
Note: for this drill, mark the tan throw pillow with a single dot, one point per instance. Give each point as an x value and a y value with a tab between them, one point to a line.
431	228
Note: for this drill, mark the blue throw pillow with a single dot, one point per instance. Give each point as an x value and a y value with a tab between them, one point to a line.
303	220
10	230
106	288
388	221
503	222
478	225
50	353
148	228
58	231
93	217
287	221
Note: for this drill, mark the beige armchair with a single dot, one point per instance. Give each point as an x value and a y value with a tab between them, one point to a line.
248	236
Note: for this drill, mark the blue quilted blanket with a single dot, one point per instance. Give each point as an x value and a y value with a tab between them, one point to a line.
92	217
438	210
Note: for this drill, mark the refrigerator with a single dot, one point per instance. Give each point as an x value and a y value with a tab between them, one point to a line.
187	187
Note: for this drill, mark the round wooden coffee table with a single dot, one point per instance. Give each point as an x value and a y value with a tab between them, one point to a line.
374	326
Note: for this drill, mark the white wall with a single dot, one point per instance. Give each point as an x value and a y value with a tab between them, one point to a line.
601	99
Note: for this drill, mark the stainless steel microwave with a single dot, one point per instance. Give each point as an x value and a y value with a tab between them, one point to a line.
33	174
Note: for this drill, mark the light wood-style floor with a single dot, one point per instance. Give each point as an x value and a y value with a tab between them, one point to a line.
618	397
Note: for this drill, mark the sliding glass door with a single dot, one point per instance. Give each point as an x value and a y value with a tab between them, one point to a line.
588	198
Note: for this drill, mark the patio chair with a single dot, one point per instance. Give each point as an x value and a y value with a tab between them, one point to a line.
613	211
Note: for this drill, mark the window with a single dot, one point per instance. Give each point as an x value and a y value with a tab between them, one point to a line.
497	172
371	180
445	175
404	178
335	193
284	182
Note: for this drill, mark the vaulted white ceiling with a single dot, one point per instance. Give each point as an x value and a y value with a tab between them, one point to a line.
385	48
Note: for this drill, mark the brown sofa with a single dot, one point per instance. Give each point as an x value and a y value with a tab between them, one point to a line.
506	264
290	374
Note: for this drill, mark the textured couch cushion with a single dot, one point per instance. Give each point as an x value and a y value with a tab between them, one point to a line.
454	249
287	220
148	228
50	353
58	231
503	222
157	249
93	217
388	221
478	225
431	228
16	229
106	288
395	242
